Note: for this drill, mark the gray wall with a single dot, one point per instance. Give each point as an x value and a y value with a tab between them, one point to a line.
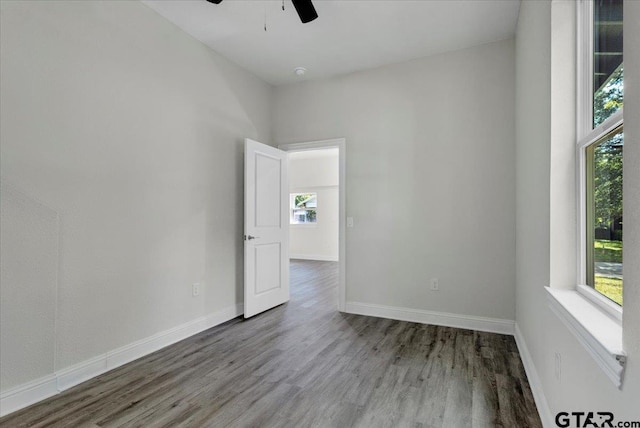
430	176
122	179
533	128
582	386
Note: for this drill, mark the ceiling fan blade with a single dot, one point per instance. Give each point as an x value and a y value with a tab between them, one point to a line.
305	9
214	1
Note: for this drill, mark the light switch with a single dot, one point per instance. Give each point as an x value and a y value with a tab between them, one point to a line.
349	221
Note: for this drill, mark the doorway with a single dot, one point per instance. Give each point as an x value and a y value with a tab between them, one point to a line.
317	204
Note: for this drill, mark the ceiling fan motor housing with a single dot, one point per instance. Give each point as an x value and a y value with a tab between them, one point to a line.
305	9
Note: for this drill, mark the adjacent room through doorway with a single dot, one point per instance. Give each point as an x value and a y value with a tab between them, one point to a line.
314	203
314	200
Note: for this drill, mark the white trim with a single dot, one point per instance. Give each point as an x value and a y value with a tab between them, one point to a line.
469	322
609	126
313	257
29	393
581	211
599	333
340	143
313	145
534	380
305	189
81	372
584	123
584	69
604	303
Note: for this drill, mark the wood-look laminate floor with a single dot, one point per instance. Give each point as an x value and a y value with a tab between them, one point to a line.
303	364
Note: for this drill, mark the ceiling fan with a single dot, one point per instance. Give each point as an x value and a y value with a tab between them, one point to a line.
305	9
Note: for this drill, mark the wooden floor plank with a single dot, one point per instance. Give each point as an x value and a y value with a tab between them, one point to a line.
303	364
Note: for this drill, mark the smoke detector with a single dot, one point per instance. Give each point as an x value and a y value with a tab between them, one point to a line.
299	71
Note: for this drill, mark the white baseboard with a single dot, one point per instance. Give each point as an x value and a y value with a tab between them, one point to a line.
314	257
534	381
29	393
492	325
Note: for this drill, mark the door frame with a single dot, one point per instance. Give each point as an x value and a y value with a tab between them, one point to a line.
342	206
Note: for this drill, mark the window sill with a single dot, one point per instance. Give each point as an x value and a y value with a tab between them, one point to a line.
598	332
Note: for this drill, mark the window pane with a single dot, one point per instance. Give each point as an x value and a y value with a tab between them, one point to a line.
604	215
310	216
607	59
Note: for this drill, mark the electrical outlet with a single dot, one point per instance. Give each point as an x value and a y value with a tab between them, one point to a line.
558	366
435	285
195	289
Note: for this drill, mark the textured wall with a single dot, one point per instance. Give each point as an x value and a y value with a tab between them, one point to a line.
28	287
132	132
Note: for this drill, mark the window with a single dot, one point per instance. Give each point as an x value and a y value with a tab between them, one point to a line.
593	311
303	208
600	146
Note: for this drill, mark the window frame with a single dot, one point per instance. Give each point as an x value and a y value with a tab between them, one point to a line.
587	135
292	197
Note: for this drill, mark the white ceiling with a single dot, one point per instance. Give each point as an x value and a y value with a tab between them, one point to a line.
349	35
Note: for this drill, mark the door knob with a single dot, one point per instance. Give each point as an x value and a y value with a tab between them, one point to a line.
249	237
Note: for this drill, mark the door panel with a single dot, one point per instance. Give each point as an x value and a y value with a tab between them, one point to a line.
268	209
268	267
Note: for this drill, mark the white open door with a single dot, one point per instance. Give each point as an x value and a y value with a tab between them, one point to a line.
266	228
